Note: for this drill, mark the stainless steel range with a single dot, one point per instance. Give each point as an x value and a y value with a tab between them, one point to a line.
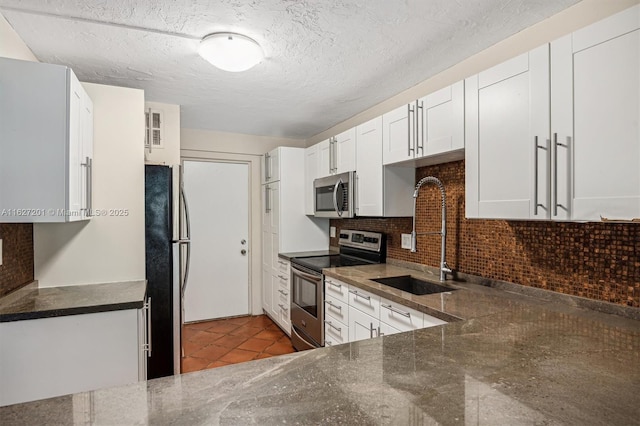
307	303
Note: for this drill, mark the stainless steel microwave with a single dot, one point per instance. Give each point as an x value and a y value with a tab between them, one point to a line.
334	195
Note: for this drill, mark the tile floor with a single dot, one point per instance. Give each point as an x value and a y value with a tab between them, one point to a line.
230	341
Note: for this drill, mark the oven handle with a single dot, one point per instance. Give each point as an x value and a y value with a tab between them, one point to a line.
305	341
310	277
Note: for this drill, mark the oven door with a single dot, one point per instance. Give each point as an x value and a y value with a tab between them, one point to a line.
334	196
307	307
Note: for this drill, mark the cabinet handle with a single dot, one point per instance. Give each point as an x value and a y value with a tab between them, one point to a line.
418	139
90	196
338	329
148	309
555	173
397	311
536	204
328	342
379	333
409	113
282	292
267	199
330	303
282	307
371	330
282	263
360	295
282	277
334	284
267	167
357	192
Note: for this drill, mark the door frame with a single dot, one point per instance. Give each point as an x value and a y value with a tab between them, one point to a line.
255	218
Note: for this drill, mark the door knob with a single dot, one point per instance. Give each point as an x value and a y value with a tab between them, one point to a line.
243	252
243	241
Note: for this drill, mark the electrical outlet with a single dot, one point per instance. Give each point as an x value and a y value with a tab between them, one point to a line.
332	231
406	241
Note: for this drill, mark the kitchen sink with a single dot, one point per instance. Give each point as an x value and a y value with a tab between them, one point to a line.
413	285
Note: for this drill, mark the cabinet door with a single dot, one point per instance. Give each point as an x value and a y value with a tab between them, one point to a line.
398	130
325	162
369	181
76	166
86	155
267	293
595	112
275	208
361	325
442	121
335	331
345	155
311	160
507	139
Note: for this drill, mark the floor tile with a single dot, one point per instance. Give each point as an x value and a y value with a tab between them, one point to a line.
205	338
264	355
211	352
246	331
194	364
222	327
188	333
200	325
260	321
269	335
238	355
239	320
280	348
216	364
229	341
257	345
190	347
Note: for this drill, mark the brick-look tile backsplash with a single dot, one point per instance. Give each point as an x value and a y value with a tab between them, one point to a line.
595	260
17	256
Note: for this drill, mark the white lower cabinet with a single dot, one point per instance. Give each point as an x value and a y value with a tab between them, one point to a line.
47	357
353	314
362	326
281	295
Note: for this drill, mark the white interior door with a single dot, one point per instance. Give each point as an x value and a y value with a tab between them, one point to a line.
218	194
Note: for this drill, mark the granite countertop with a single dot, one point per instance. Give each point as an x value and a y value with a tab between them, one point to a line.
32	303
314	253
512	359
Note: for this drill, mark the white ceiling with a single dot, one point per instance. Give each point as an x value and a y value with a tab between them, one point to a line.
326	60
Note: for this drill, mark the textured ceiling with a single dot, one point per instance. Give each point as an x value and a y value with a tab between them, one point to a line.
326	60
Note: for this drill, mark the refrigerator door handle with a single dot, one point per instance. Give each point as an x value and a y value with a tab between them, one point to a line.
186	241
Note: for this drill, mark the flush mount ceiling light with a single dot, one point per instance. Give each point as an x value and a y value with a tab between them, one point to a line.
230	51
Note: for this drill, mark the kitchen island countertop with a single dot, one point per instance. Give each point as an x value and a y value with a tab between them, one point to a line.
46	302
511	359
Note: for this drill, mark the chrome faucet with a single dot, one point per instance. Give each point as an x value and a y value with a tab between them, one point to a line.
444	268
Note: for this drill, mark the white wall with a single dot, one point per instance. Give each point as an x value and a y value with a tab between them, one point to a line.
11	45
169	154
565	22
106	248
232	143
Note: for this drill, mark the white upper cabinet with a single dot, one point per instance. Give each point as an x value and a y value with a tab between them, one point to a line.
345	152
325	157
430	129
553	134
595	115
380	190
46	140
369	173
507	132
311	163
442	115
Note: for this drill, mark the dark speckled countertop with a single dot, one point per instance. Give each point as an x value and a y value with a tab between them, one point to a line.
32	302
510	360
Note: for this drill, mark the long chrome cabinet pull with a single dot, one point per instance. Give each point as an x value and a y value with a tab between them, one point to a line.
149	328
410	112
282	277
338	329
416	138
282	292
334	284
333	305
397	311
536	204
360	295
267	199
371	330
421	146
555	173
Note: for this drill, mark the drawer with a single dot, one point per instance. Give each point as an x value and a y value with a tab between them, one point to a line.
367	302
336	288
337	309
335	332
283	266
399	316
430	321
282	296
282	281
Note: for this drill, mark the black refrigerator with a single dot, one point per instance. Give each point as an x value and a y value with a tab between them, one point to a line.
167	249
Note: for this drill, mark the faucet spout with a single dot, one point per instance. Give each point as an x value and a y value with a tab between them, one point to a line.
444	268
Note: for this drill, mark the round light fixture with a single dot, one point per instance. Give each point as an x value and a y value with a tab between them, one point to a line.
230	51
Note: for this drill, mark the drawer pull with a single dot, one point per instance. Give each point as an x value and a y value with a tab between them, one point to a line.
282	292
397	311
282	277
334	284
282	263
330	303
338	329
282	307
328	343
360	295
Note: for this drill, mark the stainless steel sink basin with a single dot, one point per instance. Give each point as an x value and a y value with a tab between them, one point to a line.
413	285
